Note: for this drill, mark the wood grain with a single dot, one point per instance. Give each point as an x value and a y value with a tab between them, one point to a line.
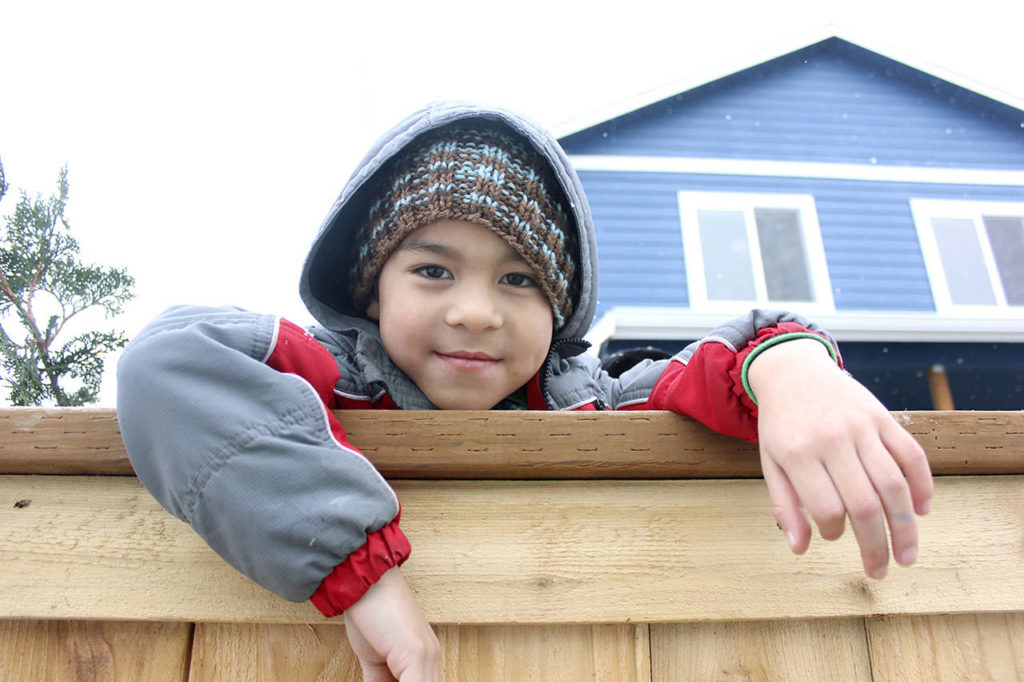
598	552
88	650
243	652
512	653
518	445
974	646
546	653
51	440
827	649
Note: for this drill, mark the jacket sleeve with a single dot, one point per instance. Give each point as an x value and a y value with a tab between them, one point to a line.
708	379
225	415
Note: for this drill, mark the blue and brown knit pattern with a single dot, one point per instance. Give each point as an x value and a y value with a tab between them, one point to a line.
482	176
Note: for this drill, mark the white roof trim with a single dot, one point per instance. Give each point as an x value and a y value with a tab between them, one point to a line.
649	323
798	169
729	66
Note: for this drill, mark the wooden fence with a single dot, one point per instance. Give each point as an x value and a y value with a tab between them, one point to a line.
546	546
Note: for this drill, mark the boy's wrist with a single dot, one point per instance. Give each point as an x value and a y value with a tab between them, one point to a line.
777	360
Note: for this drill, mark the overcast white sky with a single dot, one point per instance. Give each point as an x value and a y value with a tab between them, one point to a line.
206	140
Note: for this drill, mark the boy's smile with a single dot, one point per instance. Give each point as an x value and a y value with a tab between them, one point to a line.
461	313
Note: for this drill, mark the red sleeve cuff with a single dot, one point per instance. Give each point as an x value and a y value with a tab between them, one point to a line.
766	338
349	581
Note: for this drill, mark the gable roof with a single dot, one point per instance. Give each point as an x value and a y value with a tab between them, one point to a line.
734	65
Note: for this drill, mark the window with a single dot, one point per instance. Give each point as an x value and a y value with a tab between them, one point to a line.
974	254
753	249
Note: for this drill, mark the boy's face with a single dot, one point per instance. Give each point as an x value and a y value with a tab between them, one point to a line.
462	315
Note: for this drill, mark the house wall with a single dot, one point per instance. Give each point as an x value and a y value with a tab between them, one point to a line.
871	246
830	103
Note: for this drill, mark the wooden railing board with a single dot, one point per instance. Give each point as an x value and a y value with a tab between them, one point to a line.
518	445
83	440
520	552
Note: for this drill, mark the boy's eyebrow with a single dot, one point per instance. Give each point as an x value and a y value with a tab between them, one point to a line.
448	251
419	245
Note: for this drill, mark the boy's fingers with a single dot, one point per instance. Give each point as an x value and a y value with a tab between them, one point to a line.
786	506
894	492
376	673
817	494
867	511
913	461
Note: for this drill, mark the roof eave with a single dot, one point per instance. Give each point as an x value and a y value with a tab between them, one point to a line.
766	53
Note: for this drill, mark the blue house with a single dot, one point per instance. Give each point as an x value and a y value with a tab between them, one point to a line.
882	200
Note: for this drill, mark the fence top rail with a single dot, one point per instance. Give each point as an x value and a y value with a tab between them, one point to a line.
518	445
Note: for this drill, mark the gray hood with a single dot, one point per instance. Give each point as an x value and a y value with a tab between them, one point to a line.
324	282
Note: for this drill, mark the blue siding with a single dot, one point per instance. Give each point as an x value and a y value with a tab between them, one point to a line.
871	245
832	102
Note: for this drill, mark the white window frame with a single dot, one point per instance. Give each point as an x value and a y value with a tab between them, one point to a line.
817	268
924	210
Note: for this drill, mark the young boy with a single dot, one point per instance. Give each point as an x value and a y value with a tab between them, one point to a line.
457	271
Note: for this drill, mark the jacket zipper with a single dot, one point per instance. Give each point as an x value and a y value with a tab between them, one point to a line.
552	353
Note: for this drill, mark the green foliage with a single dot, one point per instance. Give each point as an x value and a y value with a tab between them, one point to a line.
43	286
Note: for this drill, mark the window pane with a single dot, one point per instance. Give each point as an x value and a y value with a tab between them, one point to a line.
961	258
1006	235
727	271
783	254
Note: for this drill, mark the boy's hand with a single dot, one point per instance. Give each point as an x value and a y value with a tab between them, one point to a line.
391	636
829	446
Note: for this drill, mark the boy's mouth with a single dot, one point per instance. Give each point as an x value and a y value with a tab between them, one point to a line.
463	359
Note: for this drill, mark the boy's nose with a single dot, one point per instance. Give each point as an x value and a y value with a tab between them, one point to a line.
474	310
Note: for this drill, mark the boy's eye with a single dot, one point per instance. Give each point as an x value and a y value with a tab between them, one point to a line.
519	279
433	272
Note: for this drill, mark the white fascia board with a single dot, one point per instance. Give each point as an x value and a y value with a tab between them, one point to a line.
647	323
798	169
731	65
897	54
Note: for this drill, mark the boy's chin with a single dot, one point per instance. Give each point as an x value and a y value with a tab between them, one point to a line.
463	405
463	400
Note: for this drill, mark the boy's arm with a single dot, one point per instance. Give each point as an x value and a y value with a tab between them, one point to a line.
708	380
225	417
829	447
827	444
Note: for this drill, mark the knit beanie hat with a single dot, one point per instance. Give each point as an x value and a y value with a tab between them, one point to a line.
483	176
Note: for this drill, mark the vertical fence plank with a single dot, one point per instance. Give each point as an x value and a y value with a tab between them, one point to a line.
545	653
246	652
94	650
983	646
766	650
